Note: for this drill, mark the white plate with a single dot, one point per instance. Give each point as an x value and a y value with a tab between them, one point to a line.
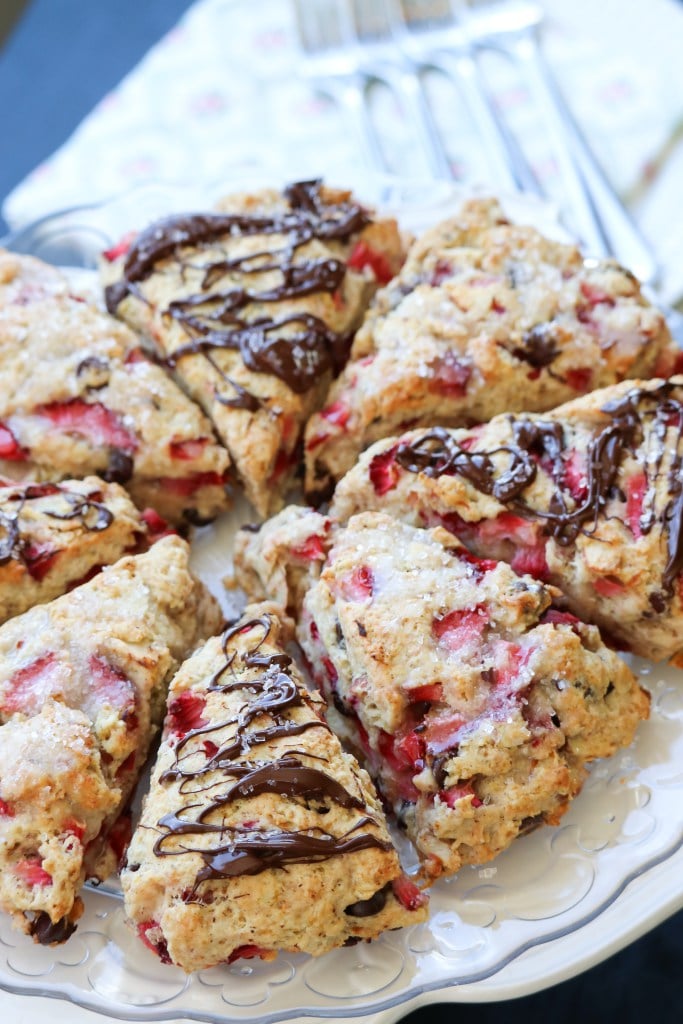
555	903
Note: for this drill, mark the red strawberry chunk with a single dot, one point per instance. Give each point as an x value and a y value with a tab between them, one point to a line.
443	733
508	526
111	686
452	796
210	748
607	586
31	871
246	952
39	559
338	413
441	272
459	627
558	618
330	670
482	565
120	248
532	561
10	448
431	692
30	684
408	894
402	762
594	294
635	496
93	421
450	376
312	549
185	486
411	750
156	525
383	471
579	378
575	477
357	585
363	255
188	450
185	712
135	355
5	810
74	828
510	660
152	936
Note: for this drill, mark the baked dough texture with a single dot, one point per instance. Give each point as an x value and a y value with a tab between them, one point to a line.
258	833
485	317
82	690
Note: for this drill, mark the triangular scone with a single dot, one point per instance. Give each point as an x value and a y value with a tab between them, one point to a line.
475	698
82	689
253	308
54	536
258	833
79	397
485	317
588	497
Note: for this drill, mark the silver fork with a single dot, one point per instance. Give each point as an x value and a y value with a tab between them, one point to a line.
351	45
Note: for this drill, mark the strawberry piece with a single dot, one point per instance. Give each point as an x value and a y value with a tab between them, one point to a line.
511	659
39	559
31	871
508	526
579	378
185	486
10	448
185	713
410	750
363	255
443	733
450	376
186	451
284	461
119	836
93	421
111	686
210	748
75	828
408	894
635	496
441	272
575	478
481	565
558	618
247	952
338	414
330	670
459	627
311	549
5	810
431	692
401	763
30	684
135	355
594	295
452	796
383	471
357	585
157	526
607	586
148	932
120	248
532	561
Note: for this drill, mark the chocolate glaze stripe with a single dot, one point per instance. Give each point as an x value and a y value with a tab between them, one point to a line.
297	356
643	416
243	849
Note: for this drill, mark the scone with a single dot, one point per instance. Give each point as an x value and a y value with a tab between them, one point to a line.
82	688
589	497
55	536
258	833
80	397
253	308
475	697
485	317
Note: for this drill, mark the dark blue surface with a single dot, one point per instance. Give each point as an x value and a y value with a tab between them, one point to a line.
61	59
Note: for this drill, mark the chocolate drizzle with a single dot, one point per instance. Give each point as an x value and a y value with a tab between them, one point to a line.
297	349
651	418
226	768
94	516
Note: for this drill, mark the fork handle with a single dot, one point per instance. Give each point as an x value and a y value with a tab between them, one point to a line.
602	220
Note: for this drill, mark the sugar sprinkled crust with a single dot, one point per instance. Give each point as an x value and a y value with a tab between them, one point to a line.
253	307
54	536
82	688
485	317
80	397
588	497
474	696
258	833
